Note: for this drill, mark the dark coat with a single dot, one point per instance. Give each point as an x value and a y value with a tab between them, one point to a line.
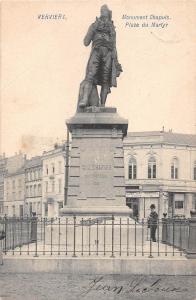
152	219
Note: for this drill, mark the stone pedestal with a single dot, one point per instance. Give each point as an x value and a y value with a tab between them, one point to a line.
96	174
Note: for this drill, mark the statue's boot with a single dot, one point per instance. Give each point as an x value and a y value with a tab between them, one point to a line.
82	103
87	88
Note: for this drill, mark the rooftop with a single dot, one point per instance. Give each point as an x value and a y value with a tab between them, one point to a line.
165	137
33	162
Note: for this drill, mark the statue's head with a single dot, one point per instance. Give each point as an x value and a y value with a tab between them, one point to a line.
105	12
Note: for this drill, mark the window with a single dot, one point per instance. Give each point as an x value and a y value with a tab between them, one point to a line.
46	169
46	184
194	171
38	208
13	184
174	168
5	210
30	208
53	186
60	166
53	168
152	167
13	210
30	190
60	205
21	210
39	173
35	190
60	185
179	204
27	191
132	168
19	183
194	202
46	209
39	189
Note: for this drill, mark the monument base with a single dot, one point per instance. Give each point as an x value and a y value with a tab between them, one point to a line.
97	211
96	174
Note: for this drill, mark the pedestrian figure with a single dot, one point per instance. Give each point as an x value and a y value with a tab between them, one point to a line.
152	223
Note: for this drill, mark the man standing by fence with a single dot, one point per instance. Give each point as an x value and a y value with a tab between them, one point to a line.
152	223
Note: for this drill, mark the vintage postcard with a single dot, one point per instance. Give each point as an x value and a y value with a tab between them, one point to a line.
98	149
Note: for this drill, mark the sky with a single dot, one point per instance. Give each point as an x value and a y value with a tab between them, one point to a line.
44	61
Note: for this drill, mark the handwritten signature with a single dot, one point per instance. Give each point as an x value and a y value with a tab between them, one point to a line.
137	286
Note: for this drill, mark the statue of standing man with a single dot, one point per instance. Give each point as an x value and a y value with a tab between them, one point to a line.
103	67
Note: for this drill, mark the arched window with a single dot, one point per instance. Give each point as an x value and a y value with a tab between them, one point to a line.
132	168
194	170
152	167
174	168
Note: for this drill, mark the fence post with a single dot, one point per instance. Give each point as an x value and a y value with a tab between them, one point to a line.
135	235
74	236
33	228
164	228
191	243
82	253
34	233
13	233
5	240
112	255
59	236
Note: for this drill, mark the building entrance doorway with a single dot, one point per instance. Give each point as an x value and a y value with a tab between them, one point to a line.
133	203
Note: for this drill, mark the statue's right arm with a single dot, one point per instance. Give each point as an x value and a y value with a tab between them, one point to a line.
89	35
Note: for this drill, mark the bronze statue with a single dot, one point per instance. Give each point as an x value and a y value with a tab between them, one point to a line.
103	67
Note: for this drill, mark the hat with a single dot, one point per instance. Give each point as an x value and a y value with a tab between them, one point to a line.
105	8
152	206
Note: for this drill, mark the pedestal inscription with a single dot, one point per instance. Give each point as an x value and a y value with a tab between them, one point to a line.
96	169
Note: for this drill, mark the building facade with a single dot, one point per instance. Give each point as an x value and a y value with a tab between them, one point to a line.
14	186
33	186
160	169
53	178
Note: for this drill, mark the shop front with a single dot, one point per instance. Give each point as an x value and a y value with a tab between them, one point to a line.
140	203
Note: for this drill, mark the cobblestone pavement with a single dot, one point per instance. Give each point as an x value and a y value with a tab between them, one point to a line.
40	286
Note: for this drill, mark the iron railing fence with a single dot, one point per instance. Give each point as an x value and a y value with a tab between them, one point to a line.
109	236
17	231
